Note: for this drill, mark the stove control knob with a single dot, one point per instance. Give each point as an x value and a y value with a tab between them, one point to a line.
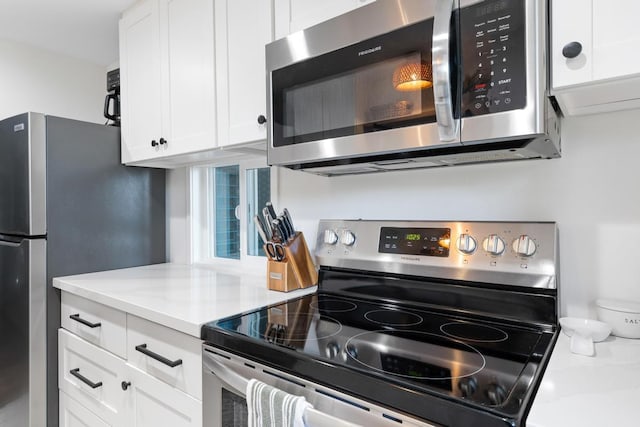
466	244
468	386
330	237
524	246
496	394
493	244
347	238
332	350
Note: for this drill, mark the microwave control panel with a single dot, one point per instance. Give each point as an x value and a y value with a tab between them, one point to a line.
493	57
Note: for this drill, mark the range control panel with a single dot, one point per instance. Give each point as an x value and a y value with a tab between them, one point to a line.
446	249
493	57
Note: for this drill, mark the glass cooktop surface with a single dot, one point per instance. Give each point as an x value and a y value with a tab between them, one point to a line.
479	361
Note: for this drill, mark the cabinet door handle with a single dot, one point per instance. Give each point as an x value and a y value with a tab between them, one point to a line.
571	50
163	141
77	318
142	348
262	119
154	143
76	373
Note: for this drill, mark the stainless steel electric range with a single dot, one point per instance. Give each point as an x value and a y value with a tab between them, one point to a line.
415	323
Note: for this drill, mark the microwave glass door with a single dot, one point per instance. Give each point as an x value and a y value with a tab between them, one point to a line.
378	84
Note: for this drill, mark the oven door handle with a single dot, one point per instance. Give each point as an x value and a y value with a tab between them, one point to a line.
312	417
448	126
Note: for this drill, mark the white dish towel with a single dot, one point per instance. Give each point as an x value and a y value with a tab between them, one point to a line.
271	407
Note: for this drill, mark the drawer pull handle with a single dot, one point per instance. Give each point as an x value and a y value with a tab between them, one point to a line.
142	348
77	318
76	373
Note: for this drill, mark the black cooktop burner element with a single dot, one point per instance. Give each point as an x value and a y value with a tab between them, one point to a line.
334	305
474	332
438	359
393	317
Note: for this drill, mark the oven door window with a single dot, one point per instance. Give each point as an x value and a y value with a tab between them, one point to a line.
234	410
379	84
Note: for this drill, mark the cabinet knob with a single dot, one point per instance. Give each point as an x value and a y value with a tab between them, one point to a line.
154	143
163	141
262	119
571	50
125	385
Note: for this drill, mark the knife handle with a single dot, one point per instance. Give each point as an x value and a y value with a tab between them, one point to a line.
272	211
287	216
268	223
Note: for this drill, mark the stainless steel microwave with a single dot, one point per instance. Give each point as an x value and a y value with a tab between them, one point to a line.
400	84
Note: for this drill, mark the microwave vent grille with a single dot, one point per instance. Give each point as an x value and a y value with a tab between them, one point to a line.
484	157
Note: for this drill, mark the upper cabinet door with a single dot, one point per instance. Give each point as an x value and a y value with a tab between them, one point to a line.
167	79
140	80
616	36
189	75
296	15
607	32
240	69
593	67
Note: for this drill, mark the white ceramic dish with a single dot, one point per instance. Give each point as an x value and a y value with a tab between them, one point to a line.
583	333
623	316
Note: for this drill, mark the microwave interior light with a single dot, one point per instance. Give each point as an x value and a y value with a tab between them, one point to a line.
413	76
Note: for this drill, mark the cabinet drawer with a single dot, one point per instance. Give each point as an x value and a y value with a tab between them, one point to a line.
73	414
92	377
103	326
166	354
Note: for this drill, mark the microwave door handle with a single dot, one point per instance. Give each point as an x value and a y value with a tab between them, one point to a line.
312	417
448	126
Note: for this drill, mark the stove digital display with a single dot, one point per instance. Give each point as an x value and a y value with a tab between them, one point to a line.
415	241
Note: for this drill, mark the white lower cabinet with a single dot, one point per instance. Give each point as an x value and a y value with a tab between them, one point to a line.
166	354
73	414
152	403
91	376
99	388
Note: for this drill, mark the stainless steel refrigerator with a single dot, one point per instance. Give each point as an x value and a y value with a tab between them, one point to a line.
67	206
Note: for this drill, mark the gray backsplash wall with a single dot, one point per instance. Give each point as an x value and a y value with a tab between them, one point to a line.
591	192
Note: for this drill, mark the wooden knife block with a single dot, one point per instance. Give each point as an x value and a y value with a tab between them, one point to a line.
295	271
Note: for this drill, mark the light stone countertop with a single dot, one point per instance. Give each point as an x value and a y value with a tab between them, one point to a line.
182	297
581	391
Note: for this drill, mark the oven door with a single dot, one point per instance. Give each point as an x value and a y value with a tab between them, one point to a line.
225	377
224	384
376	80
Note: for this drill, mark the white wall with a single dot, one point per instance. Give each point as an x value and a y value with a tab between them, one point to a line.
37	80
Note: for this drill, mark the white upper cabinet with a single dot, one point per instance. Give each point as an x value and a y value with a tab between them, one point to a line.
190	74
167	79
296	15
140	81
594	67
242	29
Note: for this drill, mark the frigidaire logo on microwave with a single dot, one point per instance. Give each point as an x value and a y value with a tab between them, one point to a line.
368	51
